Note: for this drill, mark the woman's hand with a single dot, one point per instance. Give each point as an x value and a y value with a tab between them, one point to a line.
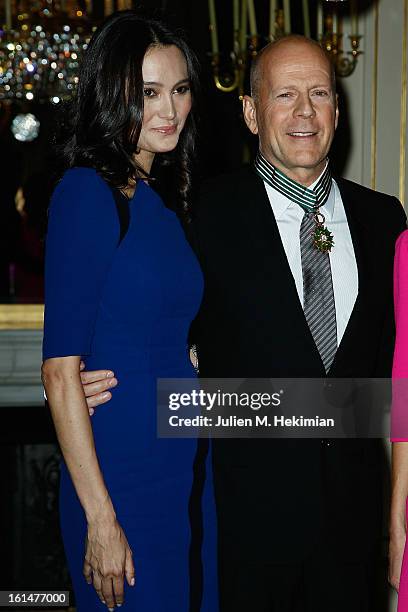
396	552
108	559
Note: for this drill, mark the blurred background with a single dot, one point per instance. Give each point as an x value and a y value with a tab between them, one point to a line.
41	44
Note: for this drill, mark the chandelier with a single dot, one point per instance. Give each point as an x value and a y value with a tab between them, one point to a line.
40	49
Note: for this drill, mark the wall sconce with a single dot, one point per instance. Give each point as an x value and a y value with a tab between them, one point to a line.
330	36
247	39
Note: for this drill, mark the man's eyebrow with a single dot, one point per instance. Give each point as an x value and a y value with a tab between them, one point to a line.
157	84
295	85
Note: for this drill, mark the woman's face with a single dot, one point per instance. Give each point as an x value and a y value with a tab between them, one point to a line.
167	101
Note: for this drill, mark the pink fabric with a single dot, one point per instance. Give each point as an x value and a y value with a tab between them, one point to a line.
400	364
400	367
399	415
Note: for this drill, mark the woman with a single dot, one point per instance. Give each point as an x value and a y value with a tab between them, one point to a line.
398	571
125	494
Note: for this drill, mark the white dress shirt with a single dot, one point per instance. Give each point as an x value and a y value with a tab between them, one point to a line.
289	217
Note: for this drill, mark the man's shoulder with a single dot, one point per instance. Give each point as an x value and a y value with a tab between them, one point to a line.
224	194
373	206
365	195
229	182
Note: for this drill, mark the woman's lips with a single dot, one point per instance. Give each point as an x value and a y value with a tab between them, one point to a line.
167	130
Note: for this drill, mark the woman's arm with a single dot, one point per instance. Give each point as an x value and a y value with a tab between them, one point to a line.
108	556
399	493
82	226
62	382
399	486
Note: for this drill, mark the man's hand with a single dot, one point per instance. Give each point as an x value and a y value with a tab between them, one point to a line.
96	385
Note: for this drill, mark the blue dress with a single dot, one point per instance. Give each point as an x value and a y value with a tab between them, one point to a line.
128	308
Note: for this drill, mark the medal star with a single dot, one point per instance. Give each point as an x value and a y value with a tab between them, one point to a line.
323	239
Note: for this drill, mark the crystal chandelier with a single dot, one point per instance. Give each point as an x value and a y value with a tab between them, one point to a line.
40	51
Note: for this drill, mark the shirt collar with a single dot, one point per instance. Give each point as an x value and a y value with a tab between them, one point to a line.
281	203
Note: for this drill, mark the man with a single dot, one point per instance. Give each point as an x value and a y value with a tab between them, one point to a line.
299	520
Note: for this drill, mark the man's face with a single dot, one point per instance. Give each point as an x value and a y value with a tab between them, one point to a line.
295	110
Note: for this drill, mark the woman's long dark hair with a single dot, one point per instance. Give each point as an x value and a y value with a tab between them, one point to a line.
105	118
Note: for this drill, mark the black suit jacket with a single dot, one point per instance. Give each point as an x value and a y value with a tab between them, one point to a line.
278	500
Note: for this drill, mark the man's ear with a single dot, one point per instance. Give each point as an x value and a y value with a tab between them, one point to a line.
336	120
248	107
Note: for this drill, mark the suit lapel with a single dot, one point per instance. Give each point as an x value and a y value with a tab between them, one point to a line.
357	231
270	254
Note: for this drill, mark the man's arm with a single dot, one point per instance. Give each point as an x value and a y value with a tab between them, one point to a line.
97	384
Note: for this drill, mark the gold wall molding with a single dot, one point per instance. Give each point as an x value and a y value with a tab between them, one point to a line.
374	94
21	316
403	117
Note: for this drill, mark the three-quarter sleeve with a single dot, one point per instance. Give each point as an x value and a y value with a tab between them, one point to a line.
399	415
82	236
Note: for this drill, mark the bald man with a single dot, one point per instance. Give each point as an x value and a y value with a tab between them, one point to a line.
299	519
